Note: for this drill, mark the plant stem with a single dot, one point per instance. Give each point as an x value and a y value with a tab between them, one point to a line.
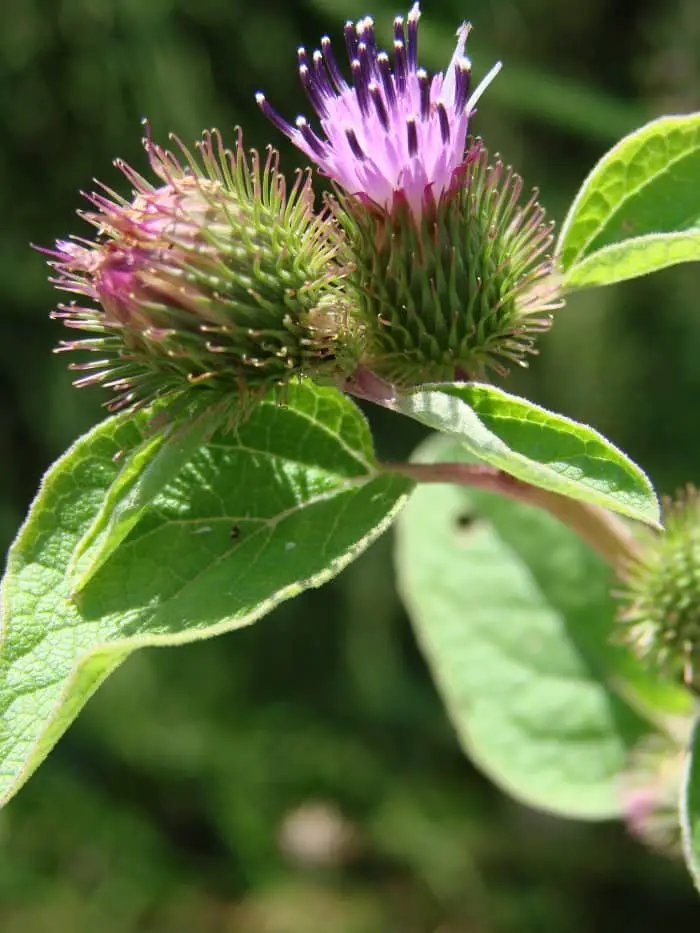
605	532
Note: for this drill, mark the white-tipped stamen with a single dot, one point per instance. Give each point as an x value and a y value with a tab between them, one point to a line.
483	84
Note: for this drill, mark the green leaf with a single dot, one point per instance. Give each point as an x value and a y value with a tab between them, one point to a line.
144	473
642	193
690	807
513	613
658	701
631	258
535	445
252	518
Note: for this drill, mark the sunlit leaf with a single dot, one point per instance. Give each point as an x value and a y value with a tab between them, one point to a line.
642	190
252	518
634	257
535	445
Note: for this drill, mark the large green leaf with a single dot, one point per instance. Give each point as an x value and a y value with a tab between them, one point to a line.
639	197
252	518
690	807
144	473
513	613
535	445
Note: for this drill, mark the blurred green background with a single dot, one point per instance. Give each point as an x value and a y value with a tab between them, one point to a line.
301	776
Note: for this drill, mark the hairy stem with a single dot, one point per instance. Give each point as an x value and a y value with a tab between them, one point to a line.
604	531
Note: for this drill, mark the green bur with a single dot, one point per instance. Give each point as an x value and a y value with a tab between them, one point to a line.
661	612
465	287
217	286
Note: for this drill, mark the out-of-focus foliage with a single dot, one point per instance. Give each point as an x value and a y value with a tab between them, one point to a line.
301	775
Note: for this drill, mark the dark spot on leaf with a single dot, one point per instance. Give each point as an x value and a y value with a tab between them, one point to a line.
464	520
235	532
465	524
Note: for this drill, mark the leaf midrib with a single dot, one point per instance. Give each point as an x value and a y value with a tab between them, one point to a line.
318	425
266	526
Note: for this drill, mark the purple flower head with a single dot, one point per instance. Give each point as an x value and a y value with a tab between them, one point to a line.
391	132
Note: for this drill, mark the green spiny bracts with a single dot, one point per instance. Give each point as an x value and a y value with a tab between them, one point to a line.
217	285
465	286
660	611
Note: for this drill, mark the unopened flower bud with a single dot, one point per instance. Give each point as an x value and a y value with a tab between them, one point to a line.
660	611
216	280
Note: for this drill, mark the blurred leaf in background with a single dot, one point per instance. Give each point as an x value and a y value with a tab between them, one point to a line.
301	775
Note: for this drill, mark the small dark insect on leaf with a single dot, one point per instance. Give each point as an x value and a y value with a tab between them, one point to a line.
235	532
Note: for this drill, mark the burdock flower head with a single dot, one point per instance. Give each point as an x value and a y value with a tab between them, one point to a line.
213	282
451	274
660	611
392	134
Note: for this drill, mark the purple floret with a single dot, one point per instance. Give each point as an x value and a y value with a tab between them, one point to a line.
389	132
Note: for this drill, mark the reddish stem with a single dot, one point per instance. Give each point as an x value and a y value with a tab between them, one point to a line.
605	532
